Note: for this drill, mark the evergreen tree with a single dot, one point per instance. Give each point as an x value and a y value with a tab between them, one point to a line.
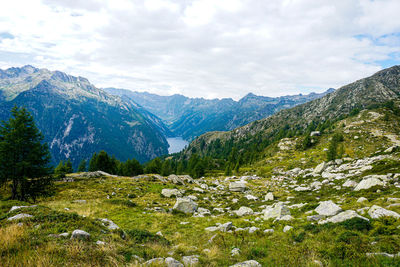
228	169
24	158
68	166
82	166
166	168
131	167
154	166
93	163
180	169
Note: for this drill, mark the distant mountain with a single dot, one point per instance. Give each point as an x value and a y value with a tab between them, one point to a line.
373	91
191	117
78	119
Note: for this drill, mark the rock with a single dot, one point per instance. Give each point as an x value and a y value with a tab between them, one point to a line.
287	228
95	174
243	211
251	197
237	186
19	217
350	183
175	179
320	168
250	263
285	218
253	229
185	205
190	260
203	211
80	234
235	252
155	262
343	216
328	208
198	189
171	262
269	231
315	133
109	224
21	207
302	189
368	183
314	218
276	211
64	235
362	199
171	192
225	227
80	201
376	212
100	243
269	196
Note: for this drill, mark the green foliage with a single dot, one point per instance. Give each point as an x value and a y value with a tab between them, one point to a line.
357	224
143	236
332	152
103	162
82	166
24	158
63	168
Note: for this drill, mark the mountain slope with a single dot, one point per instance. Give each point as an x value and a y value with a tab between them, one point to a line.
191	117
378	89
78	119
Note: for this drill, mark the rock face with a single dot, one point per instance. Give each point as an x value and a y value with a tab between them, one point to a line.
376	212
250	263
368	183
276	212
80	234
237	186
171	192
343	216
328	208
243	211
19	216
185	205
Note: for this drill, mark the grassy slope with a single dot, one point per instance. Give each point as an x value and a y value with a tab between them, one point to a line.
131	208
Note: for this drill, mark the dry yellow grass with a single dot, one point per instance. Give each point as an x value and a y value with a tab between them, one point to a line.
11	236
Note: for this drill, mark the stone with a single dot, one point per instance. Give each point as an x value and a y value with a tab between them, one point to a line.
269	196
185	205
109	224
350	183
203	211
19	217
190	261
376	212
250	263
175	179
315	133
320	168
171	262
362	199
171	192
302	189
251	197
80	234
287	228
80	201
100	243
328	208
314	218
343	216
276	211
237	186
155	261
243	211
225	227
269	231
368	183
21	207
235	252
253	229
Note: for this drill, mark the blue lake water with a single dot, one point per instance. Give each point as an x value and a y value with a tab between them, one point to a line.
176	144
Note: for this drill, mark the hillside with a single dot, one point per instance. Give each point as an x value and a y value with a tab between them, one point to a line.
289	209
191	117
376	90
78	119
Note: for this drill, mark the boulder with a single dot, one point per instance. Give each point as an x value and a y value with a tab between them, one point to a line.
276	211
368	183
343	216
175	179
80	234
155	262
21	207
185	205
251	197
350	183
269	196
362	199
237	186
376	212
287	228
109	224
243	211
328	208
190	261
250	263
171	262
19	217
320	168
171	192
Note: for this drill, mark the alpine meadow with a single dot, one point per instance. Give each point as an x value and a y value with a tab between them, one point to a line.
236	133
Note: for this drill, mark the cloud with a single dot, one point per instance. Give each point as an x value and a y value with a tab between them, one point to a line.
205	48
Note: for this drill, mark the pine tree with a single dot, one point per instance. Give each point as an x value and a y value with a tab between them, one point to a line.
93	163
166	168
82	166
24	158
68	166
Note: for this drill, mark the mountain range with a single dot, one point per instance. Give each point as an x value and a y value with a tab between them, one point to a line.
190	117
78	119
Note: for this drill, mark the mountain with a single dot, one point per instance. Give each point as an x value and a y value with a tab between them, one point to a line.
373	91
78	119
191	117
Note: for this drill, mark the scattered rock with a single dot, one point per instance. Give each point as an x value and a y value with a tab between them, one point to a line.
185	205
109	224
171	262
343	216
243	211
237	186
287	228
235	252
80	234
276	211
19	217
190	260
250	263
21	207
320	168
362	199
269	196
171	192
368	183
328	208
376	212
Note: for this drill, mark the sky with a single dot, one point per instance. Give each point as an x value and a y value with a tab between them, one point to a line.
204	48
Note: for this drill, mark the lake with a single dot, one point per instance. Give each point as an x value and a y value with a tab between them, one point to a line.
176	144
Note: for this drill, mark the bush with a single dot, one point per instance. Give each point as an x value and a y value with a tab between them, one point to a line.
143	236
357	224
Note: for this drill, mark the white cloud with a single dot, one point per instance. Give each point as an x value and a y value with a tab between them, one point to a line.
204	48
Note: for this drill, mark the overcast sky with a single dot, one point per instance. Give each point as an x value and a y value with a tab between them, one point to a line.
204	48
